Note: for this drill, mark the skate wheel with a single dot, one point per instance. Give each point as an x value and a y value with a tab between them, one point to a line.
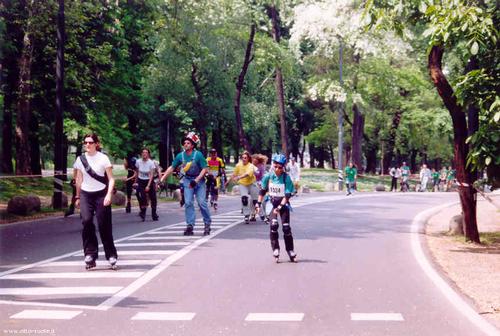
114	267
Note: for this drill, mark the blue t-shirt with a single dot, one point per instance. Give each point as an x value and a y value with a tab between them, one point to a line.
277	186
191	165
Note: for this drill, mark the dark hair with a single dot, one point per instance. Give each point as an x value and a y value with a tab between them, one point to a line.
147	150
95	138
213	150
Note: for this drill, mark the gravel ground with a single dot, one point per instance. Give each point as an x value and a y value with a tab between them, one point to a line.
473	268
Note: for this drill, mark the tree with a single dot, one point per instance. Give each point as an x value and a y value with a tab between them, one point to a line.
274	16
59	128
457	26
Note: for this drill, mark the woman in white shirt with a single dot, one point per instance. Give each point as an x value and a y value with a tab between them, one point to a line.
144	173
94	188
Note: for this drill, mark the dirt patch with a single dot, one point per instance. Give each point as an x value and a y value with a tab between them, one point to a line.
474	268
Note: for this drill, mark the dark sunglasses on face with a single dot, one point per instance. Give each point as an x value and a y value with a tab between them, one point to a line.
88	142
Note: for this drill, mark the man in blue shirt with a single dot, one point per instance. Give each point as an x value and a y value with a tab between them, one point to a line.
280	187
193	167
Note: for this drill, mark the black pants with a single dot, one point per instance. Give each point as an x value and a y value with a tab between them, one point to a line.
142	195
394	183
285	222
92	203
129	185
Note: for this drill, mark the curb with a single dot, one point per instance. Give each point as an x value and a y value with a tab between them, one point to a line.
417	229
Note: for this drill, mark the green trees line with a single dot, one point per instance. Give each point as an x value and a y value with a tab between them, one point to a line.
257	75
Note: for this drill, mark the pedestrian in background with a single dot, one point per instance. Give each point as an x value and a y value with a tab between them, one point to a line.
144	179
294	171
395	173
351	174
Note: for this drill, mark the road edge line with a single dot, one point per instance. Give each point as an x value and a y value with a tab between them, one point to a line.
417	227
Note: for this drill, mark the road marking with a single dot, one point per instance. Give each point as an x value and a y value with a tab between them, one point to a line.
274	317
73	275
151	274
59	290
163	232
121	262
418	227
376	317
134	252
163	316
46	314
154	244
165	237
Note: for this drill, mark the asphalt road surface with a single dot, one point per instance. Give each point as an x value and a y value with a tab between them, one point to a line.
357	274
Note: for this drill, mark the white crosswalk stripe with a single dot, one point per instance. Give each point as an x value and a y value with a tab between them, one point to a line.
46	314
150	251
72	275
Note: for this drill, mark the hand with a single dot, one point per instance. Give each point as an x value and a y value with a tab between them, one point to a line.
192	184
107	200
147	189
77	203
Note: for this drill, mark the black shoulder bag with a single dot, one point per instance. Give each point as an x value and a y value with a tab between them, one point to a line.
103	179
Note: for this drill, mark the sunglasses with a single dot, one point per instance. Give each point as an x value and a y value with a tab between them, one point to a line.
88	142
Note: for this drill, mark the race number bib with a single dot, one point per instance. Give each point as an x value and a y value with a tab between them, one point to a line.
276	190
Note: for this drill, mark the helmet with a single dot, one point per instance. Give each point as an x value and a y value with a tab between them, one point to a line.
213	150
193	137
279	158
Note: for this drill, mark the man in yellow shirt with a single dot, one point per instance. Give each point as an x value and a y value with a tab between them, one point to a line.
244	175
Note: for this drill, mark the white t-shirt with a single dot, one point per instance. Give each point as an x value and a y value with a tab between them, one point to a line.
144	168
98	162
294	171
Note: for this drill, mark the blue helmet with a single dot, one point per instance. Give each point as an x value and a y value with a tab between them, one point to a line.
279	158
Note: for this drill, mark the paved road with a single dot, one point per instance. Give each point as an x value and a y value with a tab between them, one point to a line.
356	275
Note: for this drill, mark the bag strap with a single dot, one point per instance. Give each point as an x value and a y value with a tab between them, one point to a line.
103	179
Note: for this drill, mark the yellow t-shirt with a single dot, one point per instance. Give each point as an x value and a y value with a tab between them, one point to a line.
249	169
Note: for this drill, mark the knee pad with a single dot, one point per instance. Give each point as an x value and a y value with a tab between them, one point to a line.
274	225
244	200
287	230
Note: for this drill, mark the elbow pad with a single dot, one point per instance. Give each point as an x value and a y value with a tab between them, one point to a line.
262	192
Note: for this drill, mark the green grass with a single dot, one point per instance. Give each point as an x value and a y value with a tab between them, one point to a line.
316	179
489	238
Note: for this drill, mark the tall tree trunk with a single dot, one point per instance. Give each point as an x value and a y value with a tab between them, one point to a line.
413	160
217	138
312	156
301	154
472	112
23	162
200	107
280	95
358	124
59	115
332	156
164	145
391	142
239	87
371	157
35	159
10	62
464	175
